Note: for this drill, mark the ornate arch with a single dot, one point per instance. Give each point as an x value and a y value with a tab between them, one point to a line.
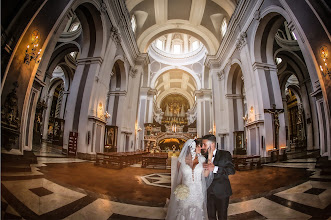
165	69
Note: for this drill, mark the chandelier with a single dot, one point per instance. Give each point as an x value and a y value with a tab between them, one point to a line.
324	55
32	52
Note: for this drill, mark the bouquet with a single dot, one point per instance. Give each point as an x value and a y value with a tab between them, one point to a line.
182	192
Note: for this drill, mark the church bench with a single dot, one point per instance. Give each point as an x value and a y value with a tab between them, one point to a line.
118	159
251	160
154	159
111	160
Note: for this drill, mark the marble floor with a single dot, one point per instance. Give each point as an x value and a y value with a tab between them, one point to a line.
34	195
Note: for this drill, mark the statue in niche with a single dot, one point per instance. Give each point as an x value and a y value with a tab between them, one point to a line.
300	127
299	115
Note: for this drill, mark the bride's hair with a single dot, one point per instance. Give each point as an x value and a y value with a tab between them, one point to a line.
198	141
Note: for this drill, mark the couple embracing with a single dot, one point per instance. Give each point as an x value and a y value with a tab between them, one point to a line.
201	188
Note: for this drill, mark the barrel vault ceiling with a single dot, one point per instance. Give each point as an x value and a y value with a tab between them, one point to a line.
199	18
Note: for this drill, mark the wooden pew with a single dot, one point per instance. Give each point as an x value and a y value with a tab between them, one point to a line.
154	160
245	160
118	159
111	160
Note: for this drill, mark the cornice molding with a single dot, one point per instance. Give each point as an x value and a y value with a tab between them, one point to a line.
264	66
203	92
120	18
94	118
257	122
120	93
89	60
142	59
225	50
234	96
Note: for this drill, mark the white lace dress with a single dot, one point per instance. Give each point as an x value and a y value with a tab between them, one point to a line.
193	207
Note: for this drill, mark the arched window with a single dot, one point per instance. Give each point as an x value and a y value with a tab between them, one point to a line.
74	27
177	48
159	44
74	54
133	23
278	60
223	27
195	45
293	35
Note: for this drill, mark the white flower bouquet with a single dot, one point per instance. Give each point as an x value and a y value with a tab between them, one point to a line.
182	192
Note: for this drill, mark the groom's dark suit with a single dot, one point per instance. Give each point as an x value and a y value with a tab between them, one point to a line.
219	191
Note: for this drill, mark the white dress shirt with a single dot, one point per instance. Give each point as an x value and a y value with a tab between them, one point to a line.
212	160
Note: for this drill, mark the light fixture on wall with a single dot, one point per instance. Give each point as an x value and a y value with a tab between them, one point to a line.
245	118
211	131
324	55
32	52
107	115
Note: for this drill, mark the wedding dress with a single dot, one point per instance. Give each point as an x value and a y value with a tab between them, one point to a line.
194	207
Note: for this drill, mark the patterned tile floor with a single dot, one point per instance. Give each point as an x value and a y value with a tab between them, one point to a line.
32	196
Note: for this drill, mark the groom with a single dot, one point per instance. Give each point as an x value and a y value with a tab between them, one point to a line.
219	192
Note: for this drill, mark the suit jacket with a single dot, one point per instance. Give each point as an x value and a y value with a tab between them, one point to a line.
221	186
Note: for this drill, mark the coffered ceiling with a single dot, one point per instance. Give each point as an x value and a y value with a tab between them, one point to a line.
175	82
199	18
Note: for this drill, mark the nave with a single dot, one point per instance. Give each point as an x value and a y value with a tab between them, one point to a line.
69	188
99	97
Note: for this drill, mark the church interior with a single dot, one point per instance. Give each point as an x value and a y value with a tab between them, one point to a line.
99	96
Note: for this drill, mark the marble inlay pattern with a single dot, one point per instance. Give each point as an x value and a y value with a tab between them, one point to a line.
61	196
32	196
267	208
298	194
7	211
158	179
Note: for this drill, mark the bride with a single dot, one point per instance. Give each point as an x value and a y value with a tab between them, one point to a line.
188	198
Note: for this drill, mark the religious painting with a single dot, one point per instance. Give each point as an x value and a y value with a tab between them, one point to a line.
111	139
239	142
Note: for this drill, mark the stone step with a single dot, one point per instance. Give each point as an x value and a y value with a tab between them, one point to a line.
294	155
324	164
18	163
28	157
16	168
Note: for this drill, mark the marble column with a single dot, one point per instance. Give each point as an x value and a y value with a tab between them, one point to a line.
269	91
204	111
286	121
79	100
150	105
64	103
47	115
142	115
218	102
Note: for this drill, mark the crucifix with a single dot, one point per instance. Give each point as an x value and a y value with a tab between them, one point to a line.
275	113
